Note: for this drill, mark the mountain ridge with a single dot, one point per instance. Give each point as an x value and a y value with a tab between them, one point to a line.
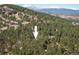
58	11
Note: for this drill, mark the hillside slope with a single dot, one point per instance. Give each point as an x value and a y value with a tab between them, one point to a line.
56	35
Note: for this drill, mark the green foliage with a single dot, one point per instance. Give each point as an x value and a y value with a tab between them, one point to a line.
56	35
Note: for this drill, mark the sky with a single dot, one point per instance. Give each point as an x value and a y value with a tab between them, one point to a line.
39	1
38	6
52	3
72	4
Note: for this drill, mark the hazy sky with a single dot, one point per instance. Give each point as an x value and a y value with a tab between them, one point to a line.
70	6
39	1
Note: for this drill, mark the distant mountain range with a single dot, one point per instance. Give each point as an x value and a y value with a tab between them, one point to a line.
58	11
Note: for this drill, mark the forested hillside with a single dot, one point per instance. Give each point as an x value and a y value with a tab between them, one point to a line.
56	35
